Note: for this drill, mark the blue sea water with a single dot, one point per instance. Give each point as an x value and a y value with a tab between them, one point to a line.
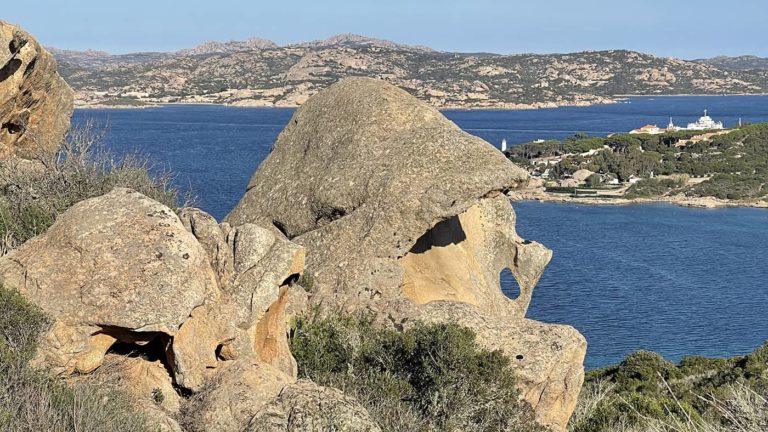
674	280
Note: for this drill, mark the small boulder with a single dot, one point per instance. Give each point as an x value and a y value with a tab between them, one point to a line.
236	393
306	406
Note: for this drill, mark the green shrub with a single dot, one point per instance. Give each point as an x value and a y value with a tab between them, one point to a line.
20	326
647	393
34	192
429	377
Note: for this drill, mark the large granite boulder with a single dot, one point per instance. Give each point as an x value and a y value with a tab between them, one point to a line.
120	266
35	102
122	270
399	211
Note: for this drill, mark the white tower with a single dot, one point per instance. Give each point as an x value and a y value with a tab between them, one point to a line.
504	145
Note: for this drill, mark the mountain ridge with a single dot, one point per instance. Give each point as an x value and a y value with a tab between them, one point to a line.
257	72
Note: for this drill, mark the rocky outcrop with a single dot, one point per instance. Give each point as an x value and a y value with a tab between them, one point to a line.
305	406
116	267
403	214
35	102
234	396
160	305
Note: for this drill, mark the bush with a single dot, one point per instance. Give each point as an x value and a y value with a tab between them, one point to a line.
20	326
32	401
34	192
429	377
647	393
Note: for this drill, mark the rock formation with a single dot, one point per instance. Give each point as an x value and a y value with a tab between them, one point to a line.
154	303
404	214
305	406
35	102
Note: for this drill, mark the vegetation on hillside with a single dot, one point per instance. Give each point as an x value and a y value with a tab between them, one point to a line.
34	192
286	75
647	393
735	164
433	377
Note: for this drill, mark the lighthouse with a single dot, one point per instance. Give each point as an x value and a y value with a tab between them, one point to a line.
503	145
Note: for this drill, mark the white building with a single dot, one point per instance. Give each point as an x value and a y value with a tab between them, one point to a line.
648	129
705	122
504	145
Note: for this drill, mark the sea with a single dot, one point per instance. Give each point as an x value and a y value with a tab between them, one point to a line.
678	281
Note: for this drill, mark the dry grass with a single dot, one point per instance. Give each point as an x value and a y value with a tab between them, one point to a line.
32	401
742	410
34	192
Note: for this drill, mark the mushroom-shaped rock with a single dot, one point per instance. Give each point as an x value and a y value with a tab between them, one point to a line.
360	173
399	210
116	267
35	102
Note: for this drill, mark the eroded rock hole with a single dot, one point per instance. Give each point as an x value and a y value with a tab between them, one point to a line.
9	69
281	227
325	216
152	350
151	347
290	280
13	128
441	265
30	67
519	357
509	285
16	45
444	233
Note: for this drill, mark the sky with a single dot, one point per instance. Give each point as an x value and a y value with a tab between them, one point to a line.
672	28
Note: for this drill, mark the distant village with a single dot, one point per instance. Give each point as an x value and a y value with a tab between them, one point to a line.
542	168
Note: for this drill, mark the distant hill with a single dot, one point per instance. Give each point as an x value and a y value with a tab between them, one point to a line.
740	63
257	72
214	47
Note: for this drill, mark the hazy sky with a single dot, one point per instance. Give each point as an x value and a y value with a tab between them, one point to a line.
680	28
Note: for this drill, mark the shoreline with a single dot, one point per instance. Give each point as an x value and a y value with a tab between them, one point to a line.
677	200
604	100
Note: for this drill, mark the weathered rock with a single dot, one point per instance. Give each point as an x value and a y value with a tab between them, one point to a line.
254	268
118	264
35	102
237	392
547	358
305	406
399	210
148	384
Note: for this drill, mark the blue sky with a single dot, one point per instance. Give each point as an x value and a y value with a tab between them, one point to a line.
685	29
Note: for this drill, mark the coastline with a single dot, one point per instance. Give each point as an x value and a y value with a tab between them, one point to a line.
500	107
600	100
678	200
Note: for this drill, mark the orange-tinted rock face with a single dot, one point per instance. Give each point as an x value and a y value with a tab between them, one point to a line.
35	102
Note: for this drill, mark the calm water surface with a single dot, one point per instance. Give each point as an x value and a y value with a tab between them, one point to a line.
674	280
